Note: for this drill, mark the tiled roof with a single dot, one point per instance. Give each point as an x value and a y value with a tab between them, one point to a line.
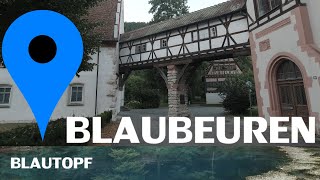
203	14
104	13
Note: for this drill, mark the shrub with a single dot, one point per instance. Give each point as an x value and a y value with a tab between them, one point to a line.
134	105
235	93
138	90
149	98
106	117
29	135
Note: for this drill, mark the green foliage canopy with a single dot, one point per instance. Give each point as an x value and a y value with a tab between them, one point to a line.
235	91
76	11
142	90
167	9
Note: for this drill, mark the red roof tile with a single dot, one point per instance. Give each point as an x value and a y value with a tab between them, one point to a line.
104	13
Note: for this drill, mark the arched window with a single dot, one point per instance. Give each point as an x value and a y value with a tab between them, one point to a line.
288	71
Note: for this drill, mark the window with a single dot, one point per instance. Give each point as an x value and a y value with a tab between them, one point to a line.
214	84
288	71
164	43
138	49
265	6
76	94
5	92
212	87
214	32
141	48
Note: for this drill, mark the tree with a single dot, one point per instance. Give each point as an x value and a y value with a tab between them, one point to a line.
197	83
75	11
140	93
235	91
167	9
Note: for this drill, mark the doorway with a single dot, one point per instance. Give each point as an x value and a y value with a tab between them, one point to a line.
292	95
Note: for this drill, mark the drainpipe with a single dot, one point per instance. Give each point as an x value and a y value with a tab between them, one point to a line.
97	80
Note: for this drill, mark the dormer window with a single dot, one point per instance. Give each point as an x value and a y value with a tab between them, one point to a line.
265	6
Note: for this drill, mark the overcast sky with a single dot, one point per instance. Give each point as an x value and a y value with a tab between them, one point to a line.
137	10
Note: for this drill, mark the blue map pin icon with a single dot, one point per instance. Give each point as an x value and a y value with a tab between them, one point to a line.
42	51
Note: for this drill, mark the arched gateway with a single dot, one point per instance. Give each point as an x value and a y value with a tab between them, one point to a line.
291	91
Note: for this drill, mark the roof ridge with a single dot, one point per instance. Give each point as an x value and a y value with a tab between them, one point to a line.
179	17
218	9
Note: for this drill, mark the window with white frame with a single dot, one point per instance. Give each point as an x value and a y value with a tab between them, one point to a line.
164	43
5	93
76	94
265	6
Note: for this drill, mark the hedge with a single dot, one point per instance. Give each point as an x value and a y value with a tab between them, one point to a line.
29	135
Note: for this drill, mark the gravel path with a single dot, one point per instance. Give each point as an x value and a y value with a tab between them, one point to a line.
305	164
196	110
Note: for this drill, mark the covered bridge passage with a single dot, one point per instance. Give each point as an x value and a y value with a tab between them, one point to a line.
181	44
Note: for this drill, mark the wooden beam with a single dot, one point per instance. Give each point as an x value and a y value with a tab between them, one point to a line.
162	74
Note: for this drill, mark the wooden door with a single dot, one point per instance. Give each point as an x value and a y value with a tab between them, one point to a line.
292	95
287	101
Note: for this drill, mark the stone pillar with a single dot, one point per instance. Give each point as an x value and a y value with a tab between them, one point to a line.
177	92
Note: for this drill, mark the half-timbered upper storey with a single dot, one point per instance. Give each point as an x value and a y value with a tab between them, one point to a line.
260	12
216	32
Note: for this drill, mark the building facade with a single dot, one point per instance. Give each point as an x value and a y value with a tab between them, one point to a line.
89	94
285	52
178	46
216	74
